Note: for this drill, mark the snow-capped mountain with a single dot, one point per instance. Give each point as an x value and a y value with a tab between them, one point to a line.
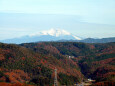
55	33
52	32
47	35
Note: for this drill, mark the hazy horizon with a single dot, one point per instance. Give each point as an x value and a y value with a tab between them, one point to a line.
84	18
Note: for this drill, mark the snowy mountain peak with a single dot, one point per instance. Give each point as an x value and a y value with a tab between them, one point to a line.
52	32
55	33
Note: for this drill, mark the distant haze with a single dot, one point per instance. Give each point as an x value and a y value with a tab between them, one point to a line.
84	18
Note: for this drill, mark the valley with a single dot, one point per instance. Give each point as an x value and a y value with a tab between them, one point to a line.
34	63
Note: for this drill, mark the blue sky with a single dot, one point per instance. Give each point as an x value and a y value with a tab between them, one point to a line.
85	18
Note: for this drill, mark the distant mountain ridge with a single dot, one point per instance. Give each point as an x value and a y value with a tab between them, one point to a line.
48	35
55	35
92	40
102	40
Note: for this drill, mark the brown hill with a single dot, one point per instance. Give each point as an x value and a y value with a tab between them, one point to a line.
34	63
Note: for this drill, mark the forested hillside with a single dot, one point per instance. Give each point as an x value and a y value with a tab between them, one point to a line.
34	63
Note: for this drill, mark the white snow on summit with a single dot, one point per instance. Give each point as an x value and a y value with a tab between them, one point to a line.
56	33
76	37
52	32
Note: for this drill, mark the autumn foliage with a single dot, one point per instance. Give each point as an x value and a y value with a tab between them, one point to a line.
34	63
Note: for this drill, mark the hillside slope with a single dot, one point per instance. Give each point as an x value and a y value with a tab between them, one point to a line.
34	63
20	64
95	60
